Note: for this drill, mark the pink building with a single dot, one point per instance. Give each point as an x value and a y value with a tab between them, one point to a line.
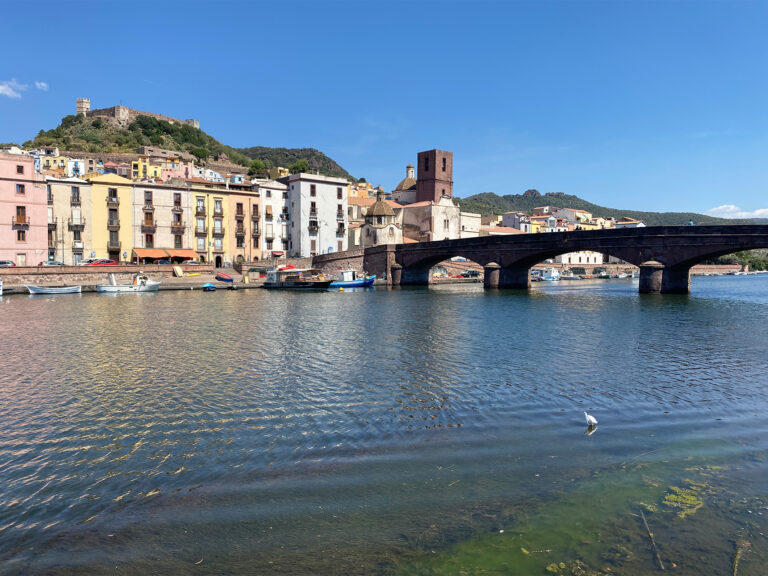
182	169
23	211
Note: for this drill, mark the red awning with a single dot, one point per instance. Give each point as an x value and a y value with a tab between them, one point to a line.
185	254
155	253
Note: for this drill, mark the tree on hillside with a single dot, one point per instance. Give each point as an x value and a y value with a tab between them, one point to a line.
300	165
256	167
200	153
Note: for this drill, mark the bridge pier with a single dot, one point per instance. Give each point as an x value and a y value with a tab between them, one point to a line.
491	277
395	275
416	276
515	277
655	278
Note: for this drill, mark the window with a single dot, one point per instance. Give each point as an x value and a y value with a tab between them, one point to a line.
217	244
50	194
339	209
339	194
177	241
285	195
426	163
76	235
446	223
200	204
111	194
255	243
217	209
341	245
313	208
19	188
239	208
312	190
201	244
19	169
21	235
269	193
21	259
444	163
217	226
148	220
201	224
21	215
148	197
113	237
285	244
269	244
378	219
149	241
313	247
177	199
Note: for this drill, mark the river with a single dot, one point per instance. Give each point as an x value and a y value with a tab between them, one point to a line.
407	431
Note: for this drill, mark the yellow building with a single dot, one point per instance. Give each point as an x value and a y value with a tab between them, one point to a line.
112	217
143	168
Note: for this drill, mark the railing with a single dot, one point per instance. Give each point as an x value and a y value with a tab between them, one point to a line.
218	212
76	224
218	232
50	199
113	224
285	216
111	201
268	216
20	221
239	215
177	226
148	229
113	245
200	211
239	230
74	200
256	232
255	216
52	224
149	207
340	231
339	215
313	228
177	209
201	230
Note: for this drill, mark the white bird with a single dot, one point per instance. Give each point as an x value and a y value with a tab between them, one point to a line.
591	420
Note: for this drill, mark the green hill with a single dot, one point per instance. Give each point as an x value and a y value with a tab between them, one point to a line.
95	135
489	203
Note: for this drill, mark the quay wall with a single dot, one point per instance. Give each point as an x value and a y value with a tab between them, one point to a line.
87	275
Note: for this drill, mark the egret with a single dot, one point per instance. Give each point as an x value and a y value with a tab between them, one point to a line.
591	420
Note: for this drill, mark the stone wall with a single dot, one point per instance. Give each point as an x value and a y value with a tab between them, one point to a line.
331	263
87	275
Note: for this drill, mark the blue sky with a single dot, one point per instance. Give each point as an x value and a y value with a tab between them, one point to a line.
657	106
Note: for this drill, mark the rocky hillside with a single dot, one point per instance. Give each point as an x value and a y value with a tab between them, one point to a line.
102	135
489	203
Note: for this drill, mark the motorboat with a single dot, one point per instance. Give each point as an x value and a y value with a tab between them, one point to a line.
139	283
568	275
351	279
223	277
550	275
296	279
53	289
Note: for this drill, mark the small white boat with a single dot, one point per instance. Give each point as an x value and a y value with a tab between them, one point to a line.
53	289
1	287
550	275
139	283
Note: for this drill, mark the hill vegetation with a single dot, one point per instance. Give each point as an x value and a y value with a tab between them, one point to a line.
489	203
95	135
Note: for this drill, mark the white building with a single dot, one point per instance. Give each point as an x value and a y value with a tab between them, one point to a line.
275	217
629	223
470	224
318	214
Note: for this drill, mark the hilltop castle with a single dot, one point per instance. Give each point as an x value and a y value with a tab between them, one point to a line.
123	115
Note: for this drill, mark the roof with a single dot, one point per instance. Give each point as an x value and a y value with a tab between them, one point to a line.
274	184
406	183
418	204
370	202
381	208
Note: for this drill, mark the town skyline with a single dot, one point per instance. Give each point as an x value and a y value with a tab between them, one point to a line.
649	107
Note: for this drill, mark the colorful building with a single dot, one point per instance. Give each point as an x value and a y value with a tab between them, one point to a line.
112	216
69	219
23	211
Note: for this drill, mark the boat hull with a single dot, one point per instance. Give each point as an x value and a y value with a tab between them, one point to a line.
359	283
54	289
221	277
109	289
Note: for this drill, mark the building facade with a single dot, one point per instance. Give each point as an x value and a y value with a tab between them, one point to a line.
318	214
69	219
23	211
112	216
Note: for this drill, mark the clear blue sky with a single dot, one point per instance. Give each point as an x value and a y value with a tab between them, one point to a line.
646	105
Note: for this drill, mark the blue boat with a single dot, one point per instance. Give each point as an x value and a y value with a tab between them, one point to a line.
350	279
208	287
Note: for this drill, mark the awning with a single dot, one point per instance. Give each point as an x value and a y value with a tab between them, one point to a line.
155	253
184	254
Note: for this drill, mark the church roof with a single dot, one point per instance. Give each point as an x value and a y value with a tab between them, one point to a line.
406	184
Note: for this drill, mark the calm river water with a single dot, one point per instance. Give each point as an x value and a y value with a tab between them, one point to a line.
414	431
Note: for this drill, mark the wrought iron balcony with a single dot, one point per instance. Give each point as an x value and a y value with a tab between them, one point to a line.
113	245
256	232
340	231
218	231
218	212
148	207
268	216
177	209
53	224
201	230
149	228
255	216
200	211
50	199
113	224
74	200
239	215
339	215
239	230
313	228
20	221
76	224
112	201
177	226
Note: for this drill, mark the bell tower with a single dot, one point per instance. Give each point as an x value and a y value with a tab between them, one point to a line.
435	175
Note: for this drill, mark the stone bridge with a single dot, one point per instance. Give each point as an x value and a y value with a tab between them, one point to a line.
664	254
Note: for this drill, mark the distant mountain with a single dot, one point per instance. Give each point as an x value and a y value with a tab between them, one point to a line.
273	157
106	135
489	203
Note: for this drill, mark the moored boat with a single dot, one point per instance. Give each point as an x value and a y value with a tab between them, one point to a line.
208	287
53	289
223	277
550	275
139	283
296	279
350	279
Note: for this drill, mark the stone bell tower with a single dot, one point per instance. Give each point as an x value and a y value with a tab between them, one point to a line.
435	175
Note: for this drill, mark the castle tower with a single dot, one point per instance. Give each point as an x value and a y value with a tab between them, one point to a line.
83	106
435	180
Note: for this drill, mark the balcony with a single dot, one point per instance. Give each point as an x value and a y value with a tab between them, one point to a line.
268	216
76	224
200	211
20	222
239	215
50	199
256	232
201	230
255	216
52	224
284	216
340	231
339	215
52	240
313	213
239	230
177	209
74	200
218	212
218	231
148	228
113	224
112	201
113	245
148	207
77	246
177	227
313	227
